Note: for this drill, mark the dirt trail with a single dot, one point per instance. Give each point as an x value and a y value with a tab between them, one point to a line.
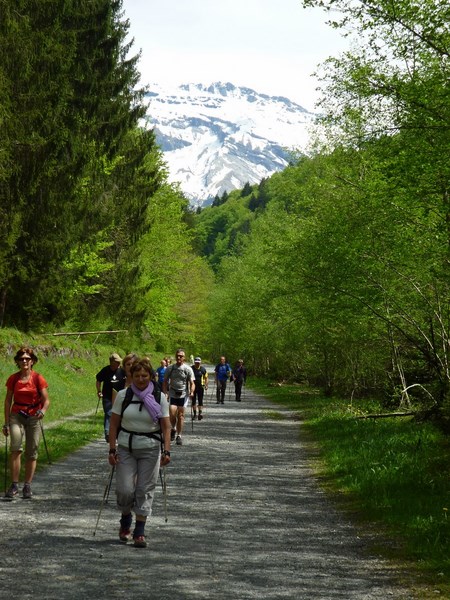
246	520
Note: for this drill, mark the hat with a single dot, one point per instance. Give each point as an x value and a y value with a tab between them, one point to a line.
197	359
240	360
115	357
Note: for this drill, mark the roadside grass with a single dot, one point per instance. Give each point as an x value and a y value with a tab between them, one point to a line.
392	474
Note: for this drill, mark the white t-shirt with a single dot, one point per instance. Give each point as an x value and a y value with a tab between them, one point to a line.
138	420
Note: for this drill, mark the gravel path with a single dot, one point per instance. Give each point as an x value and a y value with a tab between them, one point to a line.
246	520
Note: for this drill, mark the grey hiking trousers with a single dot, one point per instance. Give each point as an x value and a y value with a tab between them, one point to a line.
136	479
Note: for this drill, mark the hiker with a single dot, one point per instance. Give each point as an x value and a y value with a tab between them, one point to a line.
222	372
26	403
179	385
112	377
161	370
201	384
239	377
127	361
140	424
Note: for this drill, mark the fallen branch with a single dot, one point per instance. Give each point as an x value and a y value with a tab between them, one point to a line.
386	415
89	332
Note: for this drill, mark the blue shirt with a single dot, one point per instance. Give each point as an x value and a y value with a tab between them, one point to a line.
160	371
222	371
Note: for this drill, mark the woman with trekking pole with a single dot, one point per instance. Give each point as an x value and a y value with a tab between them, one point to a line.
26	403
140	423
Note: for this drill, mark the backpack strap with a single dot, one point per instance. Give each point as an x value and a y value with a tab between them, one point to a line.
157	435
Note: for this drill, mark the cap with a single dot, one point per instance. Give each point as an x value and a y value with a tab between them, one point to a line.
197	359
115	357
240	360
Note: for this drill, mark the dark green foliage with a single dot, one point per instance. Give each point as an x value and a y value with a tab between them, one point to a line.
69	104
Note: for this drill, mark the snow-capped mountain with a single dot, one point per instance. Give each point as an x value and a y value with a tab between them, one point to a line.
216	138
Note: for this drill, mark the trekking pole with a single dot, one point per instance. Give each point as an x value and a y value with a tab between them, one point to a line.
6	463
45	442
162	475
192	416
104	499
98	404
109	488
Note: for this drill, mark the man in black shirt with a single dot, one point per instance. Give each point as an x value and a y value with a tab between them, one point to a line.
112	377
201	384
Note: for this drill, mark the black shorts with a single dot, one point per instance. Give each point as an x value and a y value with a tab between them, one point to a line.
180	402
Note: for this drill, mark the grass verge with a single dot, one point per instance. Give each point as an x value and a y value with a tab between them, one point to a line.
392	474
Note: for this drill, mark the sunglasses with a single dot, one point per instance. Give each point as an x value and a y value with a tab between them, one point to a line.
24	358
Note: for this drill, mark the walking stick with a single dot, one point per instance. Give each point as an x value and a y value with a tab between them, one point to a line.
109	489
104	499
45	442
98	404
162	475
6	463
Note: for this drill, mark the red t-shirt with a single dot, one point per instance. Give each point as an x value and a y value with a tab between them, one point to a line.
26	394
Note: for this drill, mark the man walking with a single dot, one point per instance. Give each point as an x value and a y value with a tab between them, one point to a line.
222	372
178	384
112	377
201	384
239	376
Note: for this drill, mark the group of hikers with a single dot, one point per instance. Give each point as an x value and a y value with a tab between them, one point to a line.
144	411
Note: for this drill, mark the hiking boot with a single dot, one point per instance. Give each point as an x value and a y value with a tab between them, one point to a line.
200	416
13	490
124	534
139	541
179	441
26	492
172	434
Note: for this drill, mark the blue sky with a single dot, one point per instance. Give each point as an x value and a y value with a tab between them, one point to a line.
272	46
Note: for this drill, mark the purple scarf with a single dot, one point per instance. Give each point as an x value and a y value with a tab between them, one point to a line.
149	401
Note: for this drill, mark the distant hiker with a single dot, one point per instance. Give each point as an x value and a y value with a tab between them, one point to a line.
201	384
191	358
26	403
140	423
179	384
161	370
113	378
222	373
127	361
239	377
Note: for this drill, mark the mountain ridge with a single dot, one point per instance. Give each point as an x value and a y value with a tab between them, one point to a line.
218	137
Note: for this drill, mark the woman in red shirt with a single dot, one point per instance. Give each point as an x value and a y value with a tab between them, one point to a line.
26	403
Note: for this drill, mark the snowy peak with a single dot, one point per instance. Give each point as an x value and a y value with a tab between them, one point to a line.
217	137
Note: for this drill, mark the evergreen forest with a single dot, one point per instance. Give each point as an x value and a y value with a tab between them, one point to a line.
334	272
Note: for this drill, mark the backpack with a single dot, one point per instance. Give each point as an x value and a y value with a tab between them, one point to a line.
27	407
156	435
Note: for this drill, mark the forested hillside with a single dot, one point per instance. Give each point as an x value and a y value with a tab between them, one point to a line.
336	271
92	235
